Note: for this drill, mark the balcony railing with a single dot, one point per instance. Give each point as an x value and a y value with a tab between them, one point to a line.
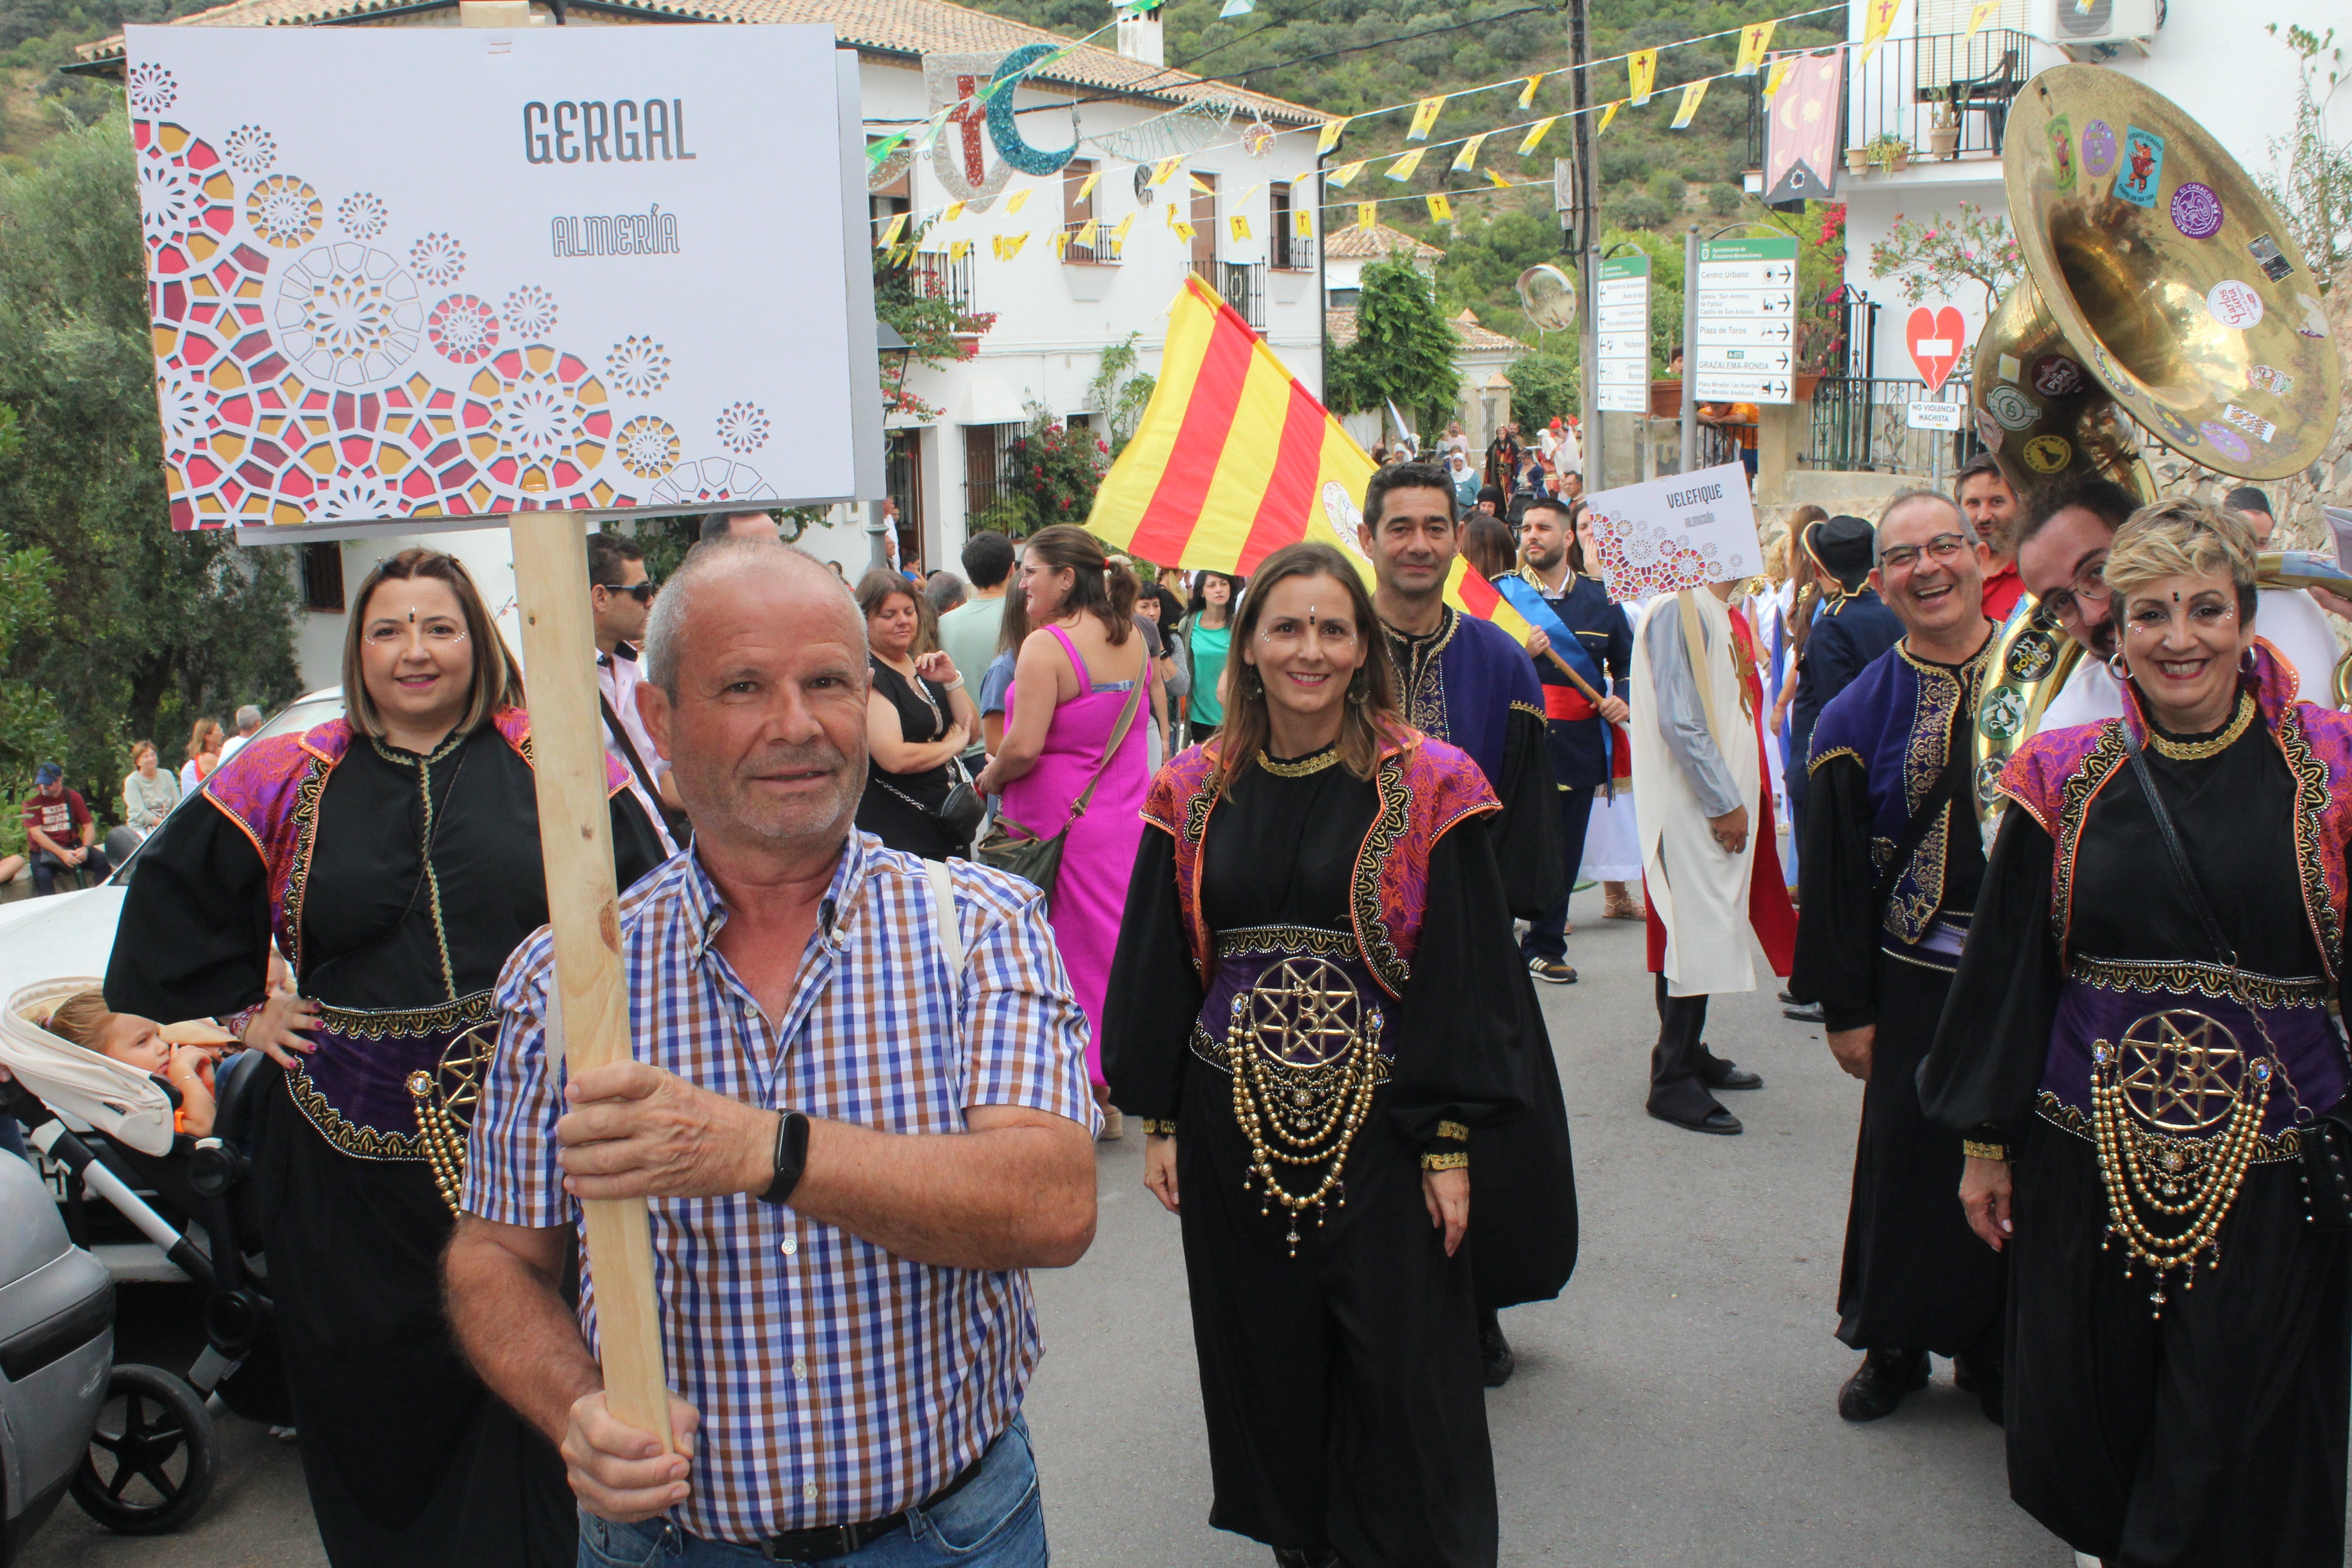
1860	423
937	278
1970	82
1104	249
1241	283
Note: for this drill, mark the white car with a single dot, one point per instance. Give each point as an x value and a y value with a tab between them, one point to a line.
73	933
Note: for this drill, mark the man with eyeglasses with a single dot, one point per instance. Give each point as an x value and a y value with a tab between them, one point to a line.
620	597
1877	942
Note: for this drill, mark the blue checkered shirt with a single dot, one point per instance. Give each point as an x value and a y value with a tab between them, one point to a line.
837	1382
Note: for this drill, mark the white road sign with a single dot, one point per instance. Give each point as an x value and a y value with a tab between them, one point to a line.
1623	355
1932	416
1747	321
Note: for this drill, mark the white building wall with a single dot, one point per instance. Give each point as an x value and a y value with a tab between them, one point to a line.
2214	60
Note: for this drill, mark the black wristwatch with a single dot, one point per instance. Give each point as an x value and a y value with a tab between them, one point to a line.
791	1157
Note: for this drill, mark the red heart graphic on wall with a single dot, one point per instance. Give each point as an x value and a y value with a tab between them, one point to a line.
1934	339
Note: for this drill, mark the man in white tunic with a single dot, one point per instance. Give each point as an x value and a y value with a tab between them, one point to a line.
1698	793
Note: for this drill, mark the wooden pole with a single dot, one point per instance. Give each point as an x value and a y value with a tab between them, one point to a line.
1581	684
589	1024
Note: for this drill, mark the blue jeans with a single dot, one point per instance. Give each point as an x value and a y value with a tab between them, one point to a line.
997	1521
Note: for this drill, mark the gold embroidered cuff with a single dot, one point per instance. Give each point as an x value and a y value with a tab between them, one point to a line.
1975	1150
1445	1162
1159	1127
1454	1129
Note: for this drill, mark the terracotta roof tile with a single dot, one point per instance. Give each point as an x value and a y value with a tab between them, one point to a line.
1353	244
883	26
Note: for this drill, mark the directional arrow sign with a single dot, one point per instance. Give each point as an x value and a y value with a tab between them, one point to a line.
1746	313
1622	354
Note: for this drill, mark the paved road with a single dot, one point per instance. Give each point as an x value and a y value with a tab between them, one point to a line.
1675	1407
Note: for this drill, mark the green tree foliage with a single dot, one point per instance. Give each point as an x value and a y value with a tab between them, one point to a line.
1120	393
1544	385
146	628
2311	184
1403	352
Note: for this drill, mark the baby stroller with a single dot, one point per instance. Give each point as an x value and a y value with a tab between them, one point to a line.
109	1126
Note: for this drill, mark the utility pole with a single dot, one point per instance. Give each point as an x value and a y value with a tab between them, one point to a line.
1690	349
1583	221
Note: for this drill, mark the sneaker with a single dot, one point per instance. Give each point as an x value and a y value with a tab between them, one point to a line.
1114	1124
1552	970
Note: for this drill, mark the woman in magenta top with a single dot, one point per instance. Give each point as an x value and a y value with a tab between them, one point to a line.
1071	681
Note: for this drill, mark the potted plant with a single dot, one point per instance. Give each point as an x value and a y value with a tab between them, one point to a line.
1857	159
1944	132
1888	153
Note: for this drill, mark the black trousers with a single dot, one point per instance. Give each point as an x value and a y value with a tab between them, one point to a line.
1681	1067
1548	936
1916	1277
1340	1385
48	868
2211	1437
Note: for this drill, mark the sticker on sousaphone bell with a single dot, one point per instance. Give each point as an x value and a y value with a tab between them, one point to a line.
2269	257
2004	713
2047	453
2143	168
2098	149
2061	154
2011	408
2030	655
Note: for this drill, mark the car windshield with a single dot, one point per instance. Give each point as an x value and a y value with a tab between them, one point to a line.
304	712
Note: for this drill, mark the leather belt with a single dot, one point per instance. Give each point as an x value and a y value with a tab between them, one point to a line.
818	1542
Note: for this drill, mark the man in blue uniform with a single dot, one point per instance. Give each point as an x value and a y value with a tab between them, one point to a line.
1575	731
1466	682
1850	629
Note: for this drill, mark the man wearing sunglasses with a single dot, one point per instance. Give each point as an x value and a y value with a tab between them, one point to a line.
1877	942
620	596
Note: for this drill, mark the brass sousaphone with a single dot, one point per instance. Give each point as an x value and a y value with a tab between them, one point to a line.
2163	296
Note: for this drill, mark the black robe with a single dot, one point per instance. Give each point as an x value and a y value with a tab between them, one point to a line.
1341	1385
410	1461
2214	1436
1914	1276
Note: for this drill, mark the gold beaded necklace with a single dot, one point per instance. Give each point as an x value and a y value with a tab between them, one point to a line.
1302	767
2197	750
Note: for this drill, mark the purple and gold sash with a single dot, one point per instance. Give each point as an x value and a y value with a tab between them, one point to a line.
400	1085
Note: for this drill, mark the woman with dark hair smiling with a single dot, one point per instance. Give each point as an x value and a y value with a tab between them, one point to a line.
2140	1052
392	856
919	720
1315	1006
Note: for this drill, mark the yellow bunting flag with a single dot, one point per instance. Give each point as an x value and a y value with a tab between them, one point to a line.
1198	185
1367	216
1019	199
1184	231
1536	135
1877	16
1979	16
890	234
1302	222
1439	209
959	250
1753	40
1642	74
1403	168
955	211
1164	171
1528	93
1330	137
1606	115
1494	177
1239	225
1085	236
1118	234
1468	157
1424	115
1343	174
1088	189
1691	94
1781	69
1061	242
1234	458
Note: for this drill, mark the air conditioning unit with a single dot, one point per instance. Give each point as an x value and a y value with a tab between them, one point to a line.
2099	29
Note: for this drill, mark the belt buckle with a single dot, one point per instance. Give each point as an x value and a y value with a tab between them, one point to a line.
808	1545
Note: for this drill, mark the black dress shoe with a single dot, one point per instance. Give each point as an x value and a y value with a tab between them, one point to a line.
1729	1075
1804	1013
1879	1385
1497	1360
1985	1379
1292	1557
1718	1120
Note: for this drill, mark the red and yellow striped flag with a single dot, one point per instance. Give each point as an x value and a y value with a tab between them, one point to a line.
1234	457
1471	595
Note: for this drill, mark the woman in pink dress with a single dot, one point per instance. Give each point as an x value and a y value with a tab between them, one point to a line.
1070	683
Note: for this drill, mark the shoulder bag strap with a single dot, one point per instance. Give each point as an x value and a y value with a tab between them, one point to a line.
944	920
1117	734
2222	948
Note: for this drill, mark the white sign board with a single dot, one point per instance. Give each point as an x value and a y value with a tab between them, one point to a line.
1921	415
1747	321
1681	532
1621	358
447	274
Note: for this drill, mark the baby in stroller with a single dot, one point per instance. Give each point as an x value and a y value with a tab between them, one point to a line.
182	1055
